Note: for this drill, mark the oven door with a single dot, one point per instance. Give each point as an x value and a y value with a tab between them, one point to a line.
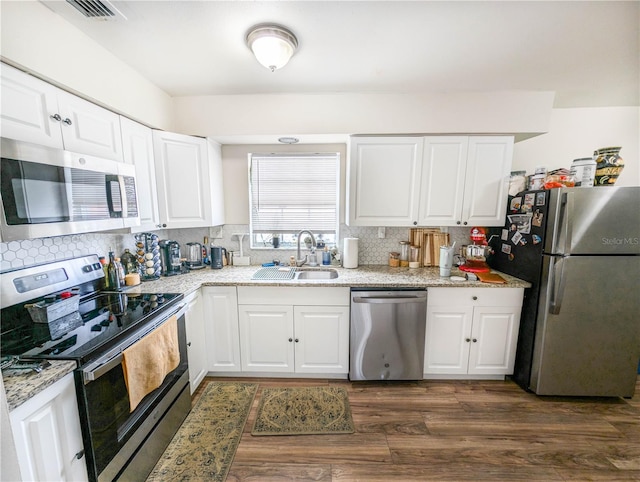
112	434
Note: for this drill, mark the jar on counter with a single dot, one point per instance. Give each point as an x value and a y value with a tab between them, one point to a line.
414	256
394	259
404	254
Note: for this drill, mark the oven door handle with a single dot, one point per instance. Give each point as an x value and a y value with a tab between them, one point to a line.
111	359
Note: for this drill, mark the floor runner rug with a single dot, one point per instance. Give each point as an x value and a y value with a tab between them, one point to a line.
204	446
303	411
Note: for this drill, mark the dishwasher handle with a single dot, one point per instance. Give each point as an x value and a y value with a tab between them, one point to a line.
396	299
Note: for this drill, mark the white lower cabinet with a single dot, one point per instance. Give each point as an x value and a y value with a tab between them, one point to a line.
220	304
47	435
294	330
196	347
471	331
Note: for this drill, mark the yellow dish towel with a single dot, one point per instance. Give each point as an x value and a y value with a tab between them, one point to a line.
147	362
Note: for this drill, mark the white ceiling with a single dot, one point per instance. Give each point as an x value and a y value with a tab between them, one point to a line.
587	52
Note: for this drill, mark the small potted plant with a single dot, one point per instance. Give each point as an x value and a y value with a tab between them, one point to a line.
275	240
307	242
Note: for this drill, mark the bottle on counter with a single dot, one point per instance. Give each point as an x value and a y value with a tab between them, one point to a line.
105	268
121	271
129	262
112	269
326	256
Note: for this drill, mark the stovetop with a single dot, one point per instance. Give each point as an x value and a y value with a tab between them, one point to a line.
100	321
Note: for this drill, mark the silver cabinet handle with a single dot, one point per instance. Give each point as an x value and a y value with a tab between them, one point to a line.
67	121
56	117
390	299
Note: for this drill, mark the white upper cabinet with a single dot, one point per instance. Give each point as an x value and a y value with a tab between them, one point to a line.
35	111
430	181
137	142
384	181
443	175
465	180
188	170
28	109
486	188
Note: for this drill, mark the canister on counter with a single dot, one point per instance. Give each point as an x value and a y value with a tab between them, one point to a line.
404	254
394	259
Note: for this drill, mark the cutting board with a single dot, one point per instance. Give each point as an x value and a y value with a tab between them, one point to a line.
490	278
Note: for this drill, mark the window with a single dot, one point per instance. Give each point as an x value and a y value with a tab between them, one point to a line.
292	192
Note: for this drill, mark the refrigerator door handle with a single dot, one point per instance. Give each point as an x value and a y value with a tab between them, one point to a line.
568	220
558	284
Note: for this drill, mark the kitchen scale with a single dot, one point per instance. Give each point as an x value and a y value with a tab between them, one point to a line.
475	259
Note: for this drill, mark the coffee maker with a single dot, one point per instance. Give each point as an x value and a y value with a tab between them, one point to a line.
170	257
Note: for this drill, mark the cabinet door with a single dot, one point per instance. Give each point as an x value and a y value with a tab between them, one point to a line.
47	434
493	340
196	348
28	109
321	339
222	335
137	141
442	185
267	340
384	178
89	129
182	176
487	181
447	339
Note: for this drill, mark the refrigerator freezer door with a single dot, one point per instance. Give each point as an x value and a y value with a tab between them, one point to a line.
587	340
600	220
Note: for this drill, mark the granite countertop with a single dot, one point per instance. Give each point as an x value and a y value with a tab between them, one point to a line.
22	385
363	276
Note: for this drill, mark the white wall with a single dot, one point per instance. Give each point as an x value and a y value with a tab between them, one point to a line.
576	133
37	40
525	113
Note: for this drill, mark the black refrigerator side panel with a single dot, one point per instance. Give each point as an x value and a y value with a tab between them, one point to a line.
517	251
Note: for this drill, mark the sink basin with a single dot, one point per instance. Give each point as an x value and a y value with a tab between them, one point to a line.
317	274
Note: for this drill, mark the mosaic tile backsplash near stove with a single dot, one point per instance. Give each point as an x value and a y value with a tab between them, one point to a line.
31	252
372	249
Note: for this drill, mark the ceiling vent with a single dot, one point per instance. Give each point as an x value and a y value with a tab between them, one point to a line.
96	9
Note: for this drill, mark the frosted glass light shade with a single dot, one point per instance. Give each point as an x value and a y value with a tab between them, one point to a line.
272	45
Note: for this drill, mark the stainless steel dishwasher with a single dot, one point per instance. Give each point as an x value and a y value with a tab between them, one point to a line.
387	334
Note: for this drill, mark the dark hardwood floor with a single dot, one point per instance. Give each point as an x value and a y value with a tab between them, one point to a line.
451	430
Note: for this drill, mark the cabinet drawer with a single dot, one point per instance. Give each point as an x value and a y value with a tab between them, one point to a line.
272	295
475	296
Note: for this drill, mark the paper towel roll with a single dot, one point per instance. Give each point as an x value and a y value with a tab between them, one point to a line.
350	255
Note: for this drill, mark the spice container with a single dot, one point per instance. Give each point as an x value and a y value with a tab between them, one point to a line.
404	254
394	259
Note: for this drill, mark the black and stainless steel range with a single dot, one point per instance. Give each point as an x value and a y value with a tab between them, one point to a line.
120	444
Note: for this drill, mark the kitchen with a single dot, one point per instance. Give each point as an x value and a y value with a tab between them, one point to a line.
558	130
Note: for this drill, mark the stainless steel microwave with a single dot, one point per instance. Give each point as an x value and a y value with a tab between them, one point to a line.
51	192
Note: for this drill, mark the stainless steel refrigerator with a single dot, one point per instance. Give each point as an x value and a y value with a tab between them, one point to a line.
580	324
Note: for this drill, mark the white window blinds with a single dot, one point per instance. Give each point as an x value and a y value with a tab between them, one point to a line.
294	192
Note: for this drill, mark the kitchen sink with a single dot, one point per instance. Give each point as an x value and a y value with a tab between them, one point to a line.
316	274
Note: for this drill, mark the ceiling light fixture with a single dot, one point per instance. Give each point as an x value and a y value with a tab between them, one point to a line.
272	45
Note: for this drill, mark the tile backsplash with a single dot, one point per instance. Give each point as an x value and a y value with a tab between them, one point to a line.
30	252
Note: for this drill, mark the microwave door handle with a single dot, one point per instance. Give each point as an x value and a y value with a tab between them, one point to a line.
114	190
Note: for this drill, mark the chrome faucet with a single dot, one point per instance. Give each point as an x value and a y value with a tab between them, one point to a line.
301	261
